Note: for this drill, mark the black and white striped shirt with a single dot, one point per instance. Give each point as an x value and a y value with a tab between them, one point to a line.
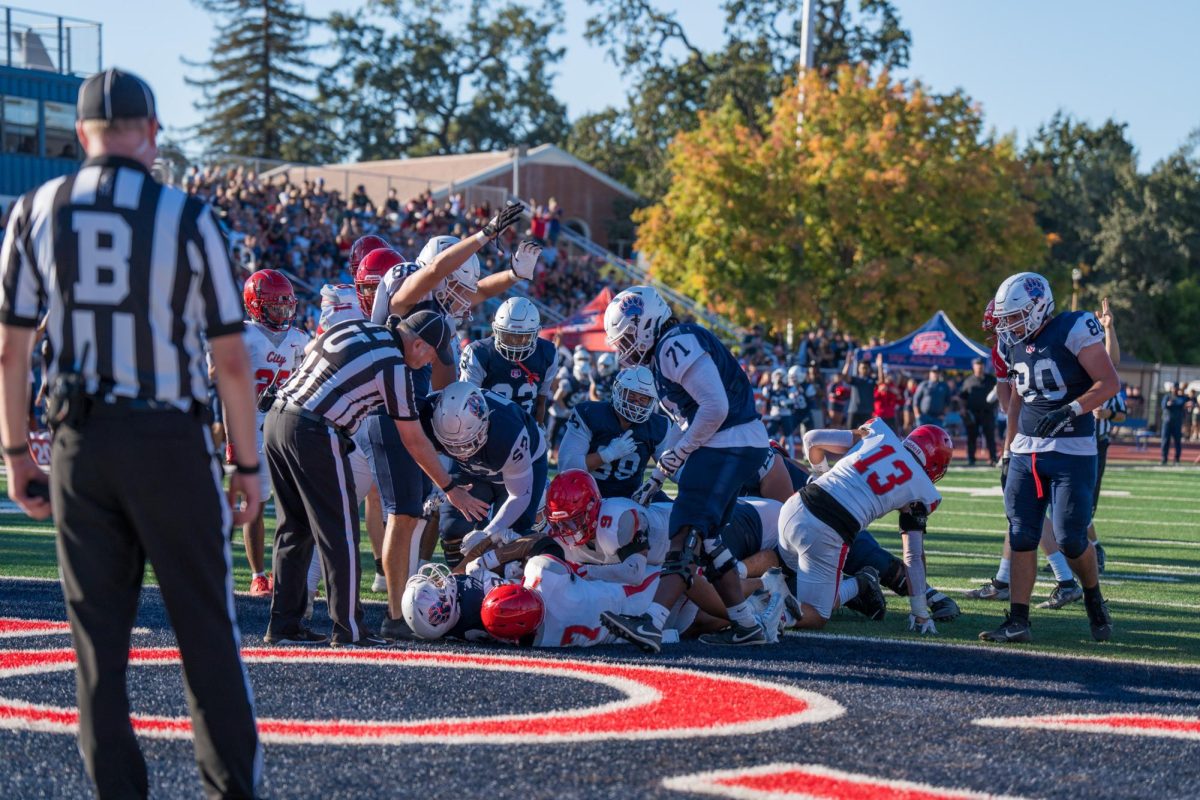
130	274
353	368
1115	404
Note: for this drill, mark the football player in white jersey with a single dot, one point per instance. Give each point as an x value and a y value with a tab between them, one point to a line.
613	539
275	349
877	473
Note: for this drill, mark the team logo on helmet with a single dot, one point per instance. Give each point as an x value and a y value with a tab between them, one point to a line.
1034	288
475	405
439	612
632	305
930	343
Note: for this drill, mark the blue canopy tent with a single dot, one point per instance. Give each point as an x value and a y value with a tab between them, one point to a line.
936	343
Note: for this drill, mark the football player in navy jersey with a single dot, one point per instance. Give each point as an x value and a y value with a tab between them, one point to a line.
513	362
499	453
603	377
716	444
778	402
1060	372
438	605
615	440
571	388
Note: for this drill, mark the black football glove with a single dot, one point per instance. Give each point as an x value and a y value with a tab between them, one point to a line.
503	220
1004	470
1053	423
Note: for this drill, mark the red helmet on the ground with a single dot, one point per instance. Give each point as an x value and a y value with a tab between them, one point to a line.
364	245
270	299
572	507
931	446
370	272
512	612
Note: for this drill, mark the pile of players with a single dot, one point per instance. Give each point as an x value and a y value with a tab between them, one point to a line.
752	542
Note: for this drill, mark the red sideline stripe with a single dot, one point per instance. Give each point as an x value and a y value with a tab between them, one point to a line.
812	782
13	626
1176	727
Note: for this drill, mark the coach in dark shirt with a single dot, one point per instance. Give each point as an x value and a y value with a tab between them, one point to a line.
980	414
862	392
129	275
1173	405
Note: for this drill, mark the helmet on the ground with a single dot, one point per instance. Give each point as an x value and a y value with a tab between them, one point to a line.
430	602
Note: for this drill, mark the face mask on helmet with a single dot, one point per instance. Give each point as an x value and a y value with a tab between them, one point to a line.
430	602
606	365
455	299
515	346
278	313
461	422
633	406
366	294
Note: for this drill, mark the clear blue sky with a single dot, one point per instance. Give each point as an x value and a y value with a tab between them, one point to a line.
1022	60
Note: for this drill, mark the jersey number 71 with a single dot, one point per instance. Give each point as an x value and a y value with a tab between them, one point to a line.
883	483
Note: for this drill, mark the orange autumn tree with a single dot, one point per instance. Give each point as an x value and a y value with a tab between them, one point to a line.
887	204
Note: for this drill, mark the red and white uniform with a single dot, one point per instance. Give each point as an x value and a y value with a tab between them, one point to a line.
630	539
999	365
339	302
573	605
875	477
273	357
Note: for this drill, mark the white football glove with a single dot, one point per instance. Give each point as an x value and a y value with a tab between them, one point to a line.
525	259
670	461
647	490
473	540
921	625
618	448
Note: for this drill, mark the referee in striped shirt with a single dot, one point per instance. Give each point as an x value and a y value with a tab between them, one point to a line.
130	275
352	369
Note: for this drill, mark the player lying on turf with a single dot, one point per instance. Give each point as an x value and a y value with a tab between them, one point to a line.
877	473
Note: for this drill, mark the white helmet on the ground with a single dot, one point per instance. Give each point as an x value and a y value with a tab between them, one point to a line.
460	419
634	394
1022	304
632	322
456	292
516	327
606	364
430	602
795	376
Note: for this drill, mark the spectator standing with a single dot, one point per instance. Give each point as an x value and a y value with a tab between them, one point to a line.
861	404
932	399
839	400
910	415
814	390
889	399
978	412
1174	404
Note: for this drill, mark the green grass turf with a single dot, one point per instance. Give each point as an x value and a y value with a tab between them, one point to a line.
1149	523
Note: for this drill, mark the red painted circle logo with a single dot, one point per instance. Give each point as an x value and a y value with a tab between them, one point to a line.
659	702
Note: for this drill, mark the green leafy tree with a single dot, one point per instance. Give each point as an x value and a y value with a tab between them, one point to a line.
443	78
254	84
888	204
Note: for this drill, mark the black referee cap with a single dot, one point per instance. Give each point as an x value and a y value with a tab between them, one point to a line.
115	94
430	327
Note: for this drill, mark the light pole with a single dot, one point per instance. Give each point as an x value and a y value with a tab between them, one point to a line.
1076	276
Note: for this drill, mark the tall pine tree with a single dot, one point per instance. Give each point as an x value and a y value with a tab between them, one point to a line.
254	103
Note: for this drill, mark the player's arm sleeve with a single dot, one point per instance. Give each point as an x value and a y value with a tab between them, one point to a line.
469	367
633	547
518	482
546	389
576	444
914	563
22	293
397	390
1085	332
703	382
208	257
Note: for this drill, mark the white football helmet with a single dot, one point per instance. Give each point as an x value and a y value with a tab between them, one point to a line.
581	363
777	376
606	364
1022	304
456	292
795	376
634	394
460	419
516	327
632	322
430	602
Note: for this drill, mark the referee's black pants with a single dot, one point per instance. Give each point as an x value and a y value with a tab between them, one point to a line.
127	486
315	504
982	422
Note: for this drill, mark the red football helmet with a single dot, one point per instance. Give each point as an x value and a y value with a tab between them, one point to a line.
511	612
989	316
270	299
931	446
370	272
572	507
364	245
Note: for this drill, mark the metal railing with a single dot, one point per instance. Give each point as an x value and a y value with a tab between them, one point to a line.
50	43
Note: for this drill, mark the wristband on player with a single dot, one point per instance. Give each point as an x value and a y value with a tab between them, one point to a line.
490	559
16	450
1076	409
243	469
918	606
449	487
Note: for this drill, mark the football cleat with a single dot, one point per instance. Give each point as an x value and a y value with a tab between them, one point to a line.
367	639
1063	594
260	586
640	630
379	584
736	636
1011	630
992	590
1101	623
871	602
941	607
300	636
396	629
1100	558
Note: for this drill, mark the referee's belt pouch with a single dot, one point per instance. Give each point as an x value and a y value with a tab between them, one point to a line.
267	398
67	402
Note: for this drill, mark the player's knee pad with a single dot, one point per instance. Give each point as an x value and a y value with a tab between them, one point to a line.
1024	538
679	562
717	559
895	577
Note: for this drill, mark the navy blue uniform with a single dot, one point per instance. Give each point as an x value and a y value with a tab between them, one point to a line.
780	406
710	479
469	627
598	423
520	381
1059	471
604	386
